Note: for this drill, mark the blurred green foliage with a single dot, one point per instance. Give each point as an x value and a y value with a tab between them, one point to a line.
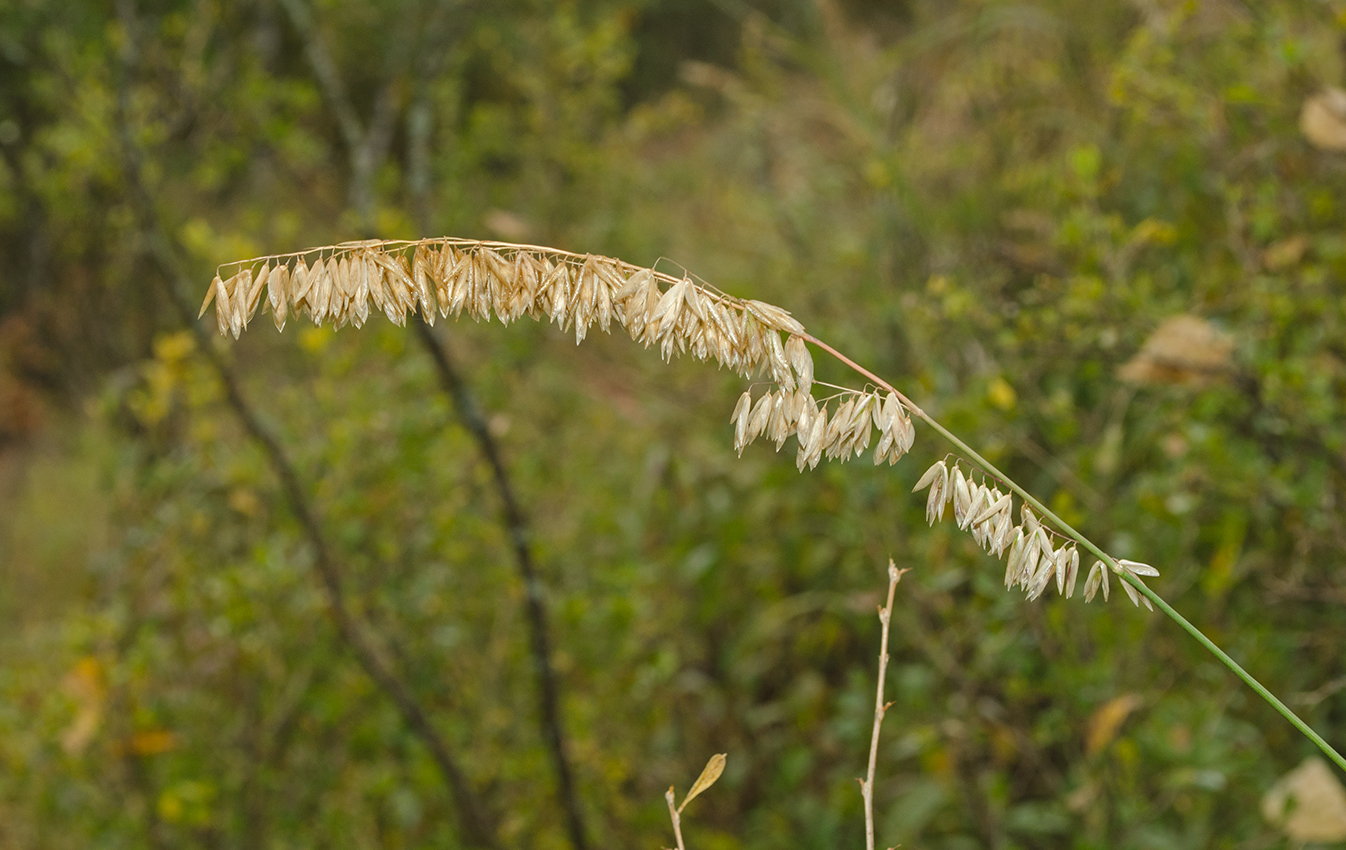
994	204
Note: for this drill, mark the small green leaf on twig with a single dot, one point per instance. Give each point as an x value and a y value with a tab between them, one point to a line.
714	768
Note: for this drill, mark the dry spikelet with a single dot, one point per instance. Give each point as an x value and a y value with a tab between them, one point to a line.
238	296
780	365
1014	562
255	292
215	285
278	296
741	419
1072	572
801	361
765	418
962	498
1098	577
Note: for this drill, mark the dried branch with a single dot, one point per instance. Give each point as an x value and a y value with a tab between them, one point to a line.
880	707
675	816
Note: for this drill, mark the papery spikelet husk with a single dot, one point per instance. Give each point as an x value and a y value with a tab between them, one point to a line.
1062	565
1004	526
836	428
1042	579
780	366
811	449
801	361
740	418
1137	569
238	297
278	296
929	477
1072	572
255	292
774	317
759	419
962	498
1017	550
1098	577
420	276
215	284
301	283
1032	554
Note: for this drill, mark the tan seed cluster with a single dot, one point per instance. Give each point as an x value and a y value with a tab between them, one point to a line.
1032	560
839	435
343	284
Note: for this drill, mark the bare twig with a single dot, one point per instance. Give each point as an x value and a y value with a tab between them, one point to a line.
677	818
880	707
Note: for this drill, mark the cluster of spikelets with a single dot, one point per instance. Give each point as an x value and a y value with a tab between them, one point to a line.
449	277
341	284
779	414
1032	560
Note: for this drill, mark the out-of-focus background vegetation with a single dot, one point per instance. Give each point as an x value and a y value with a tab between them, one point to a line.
1001	206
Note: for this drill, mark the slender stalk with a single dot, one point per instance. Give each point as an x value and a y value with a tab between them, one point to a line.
880	707
1088	544
677	818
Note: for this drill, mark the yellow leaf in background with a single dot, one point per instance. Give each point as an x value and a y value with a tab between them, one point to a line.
85	683
1322	119
712	772
1107	720
152	742
1001	394
1308	804
1154	231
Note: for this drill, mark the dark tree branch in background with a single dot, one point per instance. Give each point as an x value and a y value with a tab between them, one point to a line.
474	824
536	606
420	121
367	148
